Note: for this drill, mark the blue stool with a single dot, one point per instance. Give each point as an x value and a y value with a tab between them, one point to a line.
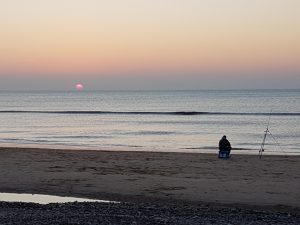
224	154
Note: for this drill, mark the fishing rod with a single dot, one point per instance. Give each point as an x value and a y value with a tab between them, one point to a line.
265	136
266	133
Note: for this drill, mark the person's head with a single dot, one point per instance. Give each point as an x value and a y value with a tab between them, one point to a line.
224	137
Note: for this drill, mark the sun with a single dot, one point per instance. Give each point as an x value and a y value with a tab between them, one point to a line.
79	86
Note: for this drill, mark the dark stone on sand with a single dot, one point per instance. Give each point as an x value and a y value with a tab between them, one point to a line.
137	213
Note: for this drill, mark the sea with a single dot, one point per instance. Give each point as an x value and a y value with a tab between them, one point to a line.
163	121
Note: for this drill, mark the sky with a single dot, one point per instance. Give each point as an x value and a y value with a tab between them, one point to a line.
143	44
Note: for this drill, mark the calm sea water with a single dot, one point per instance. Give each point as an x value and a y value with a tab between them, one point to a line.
185	121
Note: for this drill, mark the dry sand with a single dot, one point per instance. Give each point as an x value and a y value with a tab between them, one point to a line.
150	176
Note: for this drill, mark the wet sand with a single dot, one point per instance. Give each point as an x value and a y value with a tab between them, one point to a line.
152	176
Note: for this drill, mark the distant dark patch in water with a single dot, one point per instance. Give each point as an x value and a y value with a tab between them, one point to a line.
181	113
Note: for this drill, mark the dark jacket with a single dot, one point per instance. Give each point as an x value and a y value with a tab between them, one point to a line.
224	145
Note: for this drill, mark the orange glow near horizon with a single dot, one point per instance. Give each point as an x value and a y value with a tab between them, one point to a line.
73	37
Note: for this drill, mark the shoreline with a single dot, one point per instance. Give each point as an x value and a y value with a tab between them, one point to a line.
208	150
140	177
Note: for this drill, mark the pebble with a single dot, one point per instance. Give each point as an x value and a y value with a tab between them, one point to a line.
136	213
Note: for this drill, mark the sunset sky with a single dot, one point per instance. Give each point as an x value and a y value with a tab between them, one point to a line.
143	44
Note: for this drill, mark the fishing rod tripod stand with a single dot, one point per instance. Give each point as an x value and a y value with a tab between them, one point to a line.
267	132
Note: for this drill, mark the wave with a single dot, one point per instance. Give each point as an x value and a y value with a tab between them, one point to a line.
181	113
151	133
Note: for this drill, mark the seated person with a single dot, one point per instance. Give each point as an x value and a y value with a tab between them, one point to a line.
224	148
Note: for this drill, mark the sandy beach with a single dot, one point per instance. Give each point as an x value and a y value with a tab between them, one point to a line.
152	187
152	176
